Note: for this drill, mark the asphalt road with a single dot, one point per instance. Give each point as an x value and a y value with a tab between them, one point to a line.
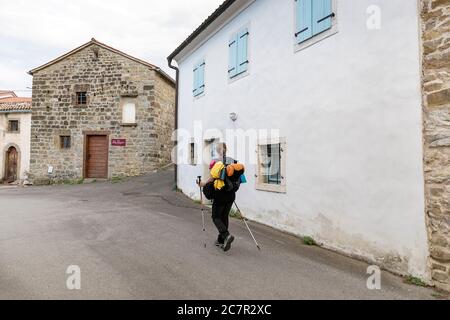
137	239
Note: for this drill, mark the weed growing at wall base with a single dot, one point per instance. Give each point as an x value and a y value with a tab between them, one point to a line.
415	281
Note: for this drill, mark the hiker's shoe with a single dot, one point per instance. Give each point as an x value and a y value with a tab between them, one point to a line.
228	241
218	244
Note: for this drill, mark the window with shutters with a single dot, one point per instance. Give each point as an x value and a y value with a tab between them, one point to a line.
271	174
199	79
315	21
238	54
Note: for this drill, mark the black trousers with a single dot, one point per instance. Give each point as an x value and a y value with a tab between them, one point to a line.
221	218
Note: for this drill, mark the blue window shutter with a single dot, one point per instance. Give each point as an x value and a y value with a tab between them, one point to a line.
195	85
201	78
242	60
304	29
233	47
322	15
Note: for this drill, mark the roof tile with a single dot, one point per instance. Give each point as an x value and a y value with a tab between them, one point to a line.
15	104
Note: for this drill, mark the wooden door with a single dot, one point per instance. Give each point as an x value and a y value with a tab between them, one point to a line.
96	165
11	165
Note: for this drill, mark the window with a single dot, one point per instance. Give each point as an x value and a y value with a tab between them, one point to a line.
313	17
128	106
81	98
192	154
213	149
65	142
271	164
129	113
271	167
13	126
238	53
199	79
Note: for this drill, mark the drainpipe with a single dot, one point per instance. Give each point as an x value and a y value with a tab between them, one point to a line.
170	60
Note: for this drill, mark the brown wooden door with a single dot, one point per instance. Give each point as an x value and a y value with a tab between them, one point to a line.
11	165
96	157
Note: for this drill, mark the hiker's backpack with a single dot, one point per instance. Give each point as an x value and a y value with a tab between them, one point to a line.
233	176
209	191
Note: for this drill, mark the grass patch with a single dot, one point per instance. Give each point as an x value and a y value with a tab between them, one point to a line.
309	241
69	182
440	296
117	179
415	281
235	214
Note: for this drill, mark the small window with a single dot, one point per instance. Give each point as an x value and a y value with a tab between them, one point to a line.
65	142
192	155
128	111
271	167
214	153
271	164
13	126
82	98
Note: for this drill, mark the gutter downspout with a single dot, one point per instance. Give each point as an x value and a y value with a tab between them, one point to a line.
170	60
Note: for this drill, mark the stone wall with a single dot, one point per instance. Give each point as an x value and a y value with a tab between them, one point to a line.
107	77
164	117
436	108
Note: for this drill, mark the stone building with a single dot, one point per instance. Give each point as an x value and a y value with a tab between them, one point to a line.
435	17
359	94
99	113
15	126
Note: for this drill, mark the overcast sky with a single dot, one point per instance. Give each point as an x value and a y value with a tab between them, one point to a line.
34	32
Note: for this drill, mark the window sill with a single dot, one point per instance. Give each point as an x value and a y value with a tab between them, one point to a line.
129	125
315	39
12	132
238	77
199	96
271	188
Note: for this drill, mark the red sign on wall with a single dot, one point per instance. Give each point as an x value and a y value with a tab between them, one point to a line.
119	142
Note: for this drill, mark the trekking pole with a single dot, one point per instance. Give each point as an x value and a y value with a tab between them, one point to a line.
248	228
203	209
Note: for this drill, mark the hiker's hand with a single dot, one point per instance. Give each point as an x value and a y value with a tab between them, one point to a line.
204	183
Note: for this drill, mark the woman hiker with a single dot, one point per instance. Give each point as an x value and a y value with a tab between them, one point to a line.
222	204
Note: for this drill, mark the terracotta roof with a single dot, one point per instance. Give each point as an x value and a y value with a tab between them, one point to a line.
15	105
7	94
102	45
216	14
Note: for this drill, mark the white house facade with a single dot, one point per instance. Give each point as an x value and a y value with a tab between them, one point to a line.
15	134
340	80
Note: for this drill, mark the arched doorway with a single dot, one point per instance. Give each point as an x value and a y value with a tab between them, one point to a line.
12	161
